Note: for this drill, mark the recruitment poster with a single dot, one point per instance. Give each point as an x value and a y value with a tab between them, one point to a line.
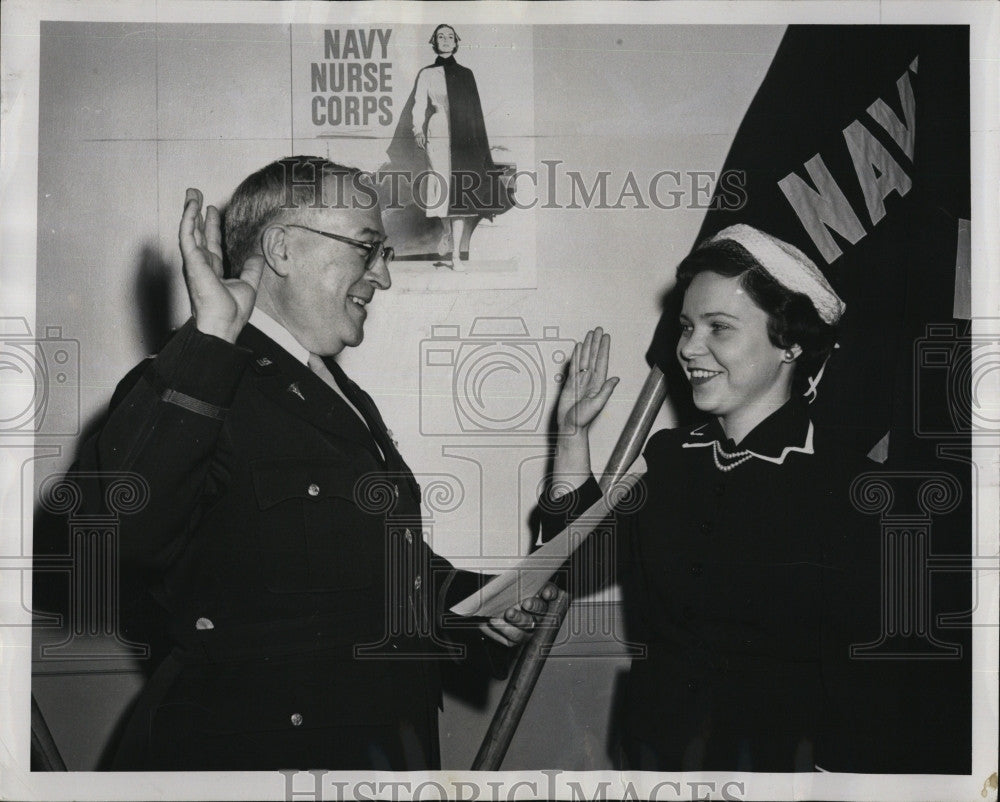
239	561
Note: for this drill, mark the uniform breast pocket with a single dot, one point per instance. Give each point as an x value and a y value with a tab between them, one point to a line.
311	534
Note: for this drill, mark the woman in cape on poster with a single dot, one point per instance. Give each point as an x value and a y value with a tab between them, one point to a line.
441	142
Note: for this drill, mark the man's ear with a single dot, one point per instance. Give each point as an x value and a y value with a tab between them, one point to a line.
275	249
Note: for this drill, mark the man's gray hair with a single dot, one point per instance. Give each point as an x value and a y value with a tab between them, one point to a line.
295	183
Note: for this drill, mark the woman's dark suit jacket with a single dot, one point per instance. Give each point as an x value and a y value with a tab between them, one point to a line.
747	579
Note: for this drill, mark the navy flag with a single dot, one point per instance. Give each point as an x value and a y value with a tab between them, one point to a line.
856	150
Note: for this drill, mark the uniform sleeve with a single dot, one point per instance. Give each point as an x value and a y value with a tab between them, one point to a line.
481	655
164	425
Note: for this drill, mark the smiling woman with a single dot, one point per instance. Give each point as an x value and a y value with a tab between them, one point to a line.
746	572
747	341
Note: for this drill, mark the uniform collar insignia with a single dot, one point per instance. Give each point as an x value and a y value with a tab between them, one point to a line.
265	366
294	389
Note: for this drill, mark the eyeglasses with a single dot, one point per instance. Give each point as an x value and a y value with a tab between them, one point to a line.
375	250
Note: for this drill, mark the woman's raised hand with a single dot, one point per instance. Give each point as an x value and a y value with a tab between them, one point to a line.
221	306
586	388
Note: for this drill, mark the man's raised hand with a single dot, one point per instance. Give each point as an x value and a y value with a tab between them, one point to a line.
221	306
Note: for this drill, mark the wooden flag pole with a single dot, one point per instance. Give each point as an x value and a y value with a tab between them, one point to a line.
522	681
533	654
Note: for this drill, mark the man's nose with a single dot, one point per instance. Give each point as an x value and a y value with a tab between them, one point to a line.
378	274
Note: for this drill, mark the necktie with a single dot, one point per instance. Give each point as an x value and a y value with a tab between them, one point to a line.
359	401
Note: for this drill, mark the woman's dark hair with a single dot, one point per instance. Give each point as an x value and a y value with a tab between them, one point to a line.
791	317
433	39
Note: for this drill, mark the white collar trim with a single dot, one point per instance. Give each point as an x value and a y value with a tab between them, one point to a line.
282	336
805	448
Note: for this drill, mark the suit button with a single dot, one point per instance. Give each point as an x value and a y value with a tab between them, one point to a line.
408	534
417	582
296	719
697	569
313	490
204	623
706	527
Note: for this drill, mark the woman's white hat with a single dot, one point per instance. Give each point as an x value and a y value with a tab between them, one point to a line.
787	265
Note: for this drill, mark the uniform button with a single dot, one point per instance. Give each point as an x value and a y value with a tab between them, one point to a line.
408	534
313	490
204	623
692	685
706	527
417	582
296	719
697	569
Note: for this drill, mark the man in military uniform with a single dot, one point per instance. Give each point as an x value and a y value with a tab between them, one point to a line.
282	538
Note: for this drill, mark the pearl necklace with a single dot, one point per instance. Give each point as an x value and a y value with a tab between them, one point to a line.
739	456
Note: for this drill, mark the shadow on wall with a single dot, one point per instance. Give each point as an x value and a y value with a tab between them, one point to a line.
153	290
59	624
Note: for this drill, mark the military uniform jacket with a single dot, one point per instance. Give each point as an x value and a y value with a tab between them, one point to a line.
746	576
287	557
